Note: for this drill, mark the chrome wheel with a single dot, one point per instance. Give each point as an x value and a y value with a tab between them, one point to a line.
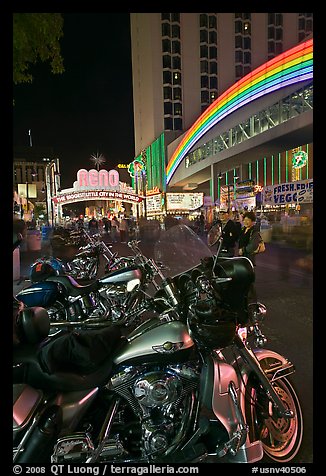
281	437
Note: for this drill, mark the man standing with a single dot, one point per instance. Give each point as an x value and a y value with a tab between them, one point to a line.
230	234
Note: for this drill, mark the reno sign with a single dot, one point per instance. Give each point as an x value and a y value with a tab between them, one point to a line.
97	179
97	185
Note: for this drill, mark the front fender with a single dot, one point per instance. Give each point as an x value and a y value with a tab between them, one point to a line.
274	365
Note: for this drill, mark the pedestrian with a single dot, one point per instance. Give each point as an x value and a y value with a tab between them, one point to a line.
114	229
80	223
249	240
201	224
249	237
123	227
107	225
93	225
230	234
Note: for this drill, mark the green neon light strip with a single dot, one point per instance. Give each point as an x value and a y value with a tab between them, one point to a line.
279	167
272	169
257	171
286	167
265	172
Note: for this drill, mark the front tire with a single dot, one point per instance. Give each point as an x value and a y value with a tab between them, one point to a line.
281	437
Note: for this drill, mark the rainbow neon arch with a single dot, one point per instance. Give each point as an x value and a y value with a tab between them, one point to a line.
291	67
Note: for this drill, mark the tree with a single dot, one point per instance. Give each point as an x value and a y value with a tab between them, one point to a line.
36	38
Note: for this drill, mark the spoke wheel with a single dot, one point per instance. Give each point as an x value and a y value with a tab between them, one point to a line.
281	437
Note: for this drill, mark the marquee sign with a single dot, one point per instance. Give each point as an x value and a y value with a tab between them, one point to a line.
64	198
290	192
184	201
97	185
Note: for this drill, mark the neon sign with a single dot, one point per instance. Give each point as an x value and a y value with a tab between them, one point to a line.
299	159
98	178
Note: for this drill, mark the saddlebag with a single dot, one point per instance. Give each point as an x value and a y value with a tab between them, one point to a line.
25	401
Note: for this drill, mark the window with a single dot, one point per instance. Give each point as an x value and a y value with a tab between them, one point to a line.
176	62
167	77
177	93
238	41
203	20
168	108
175	17
204	81
213	67
168	124
177	78
176	47
175	31
177	109
166	29
167	61
213	82
203	36
167	92
212	21
239	56
204	97
247	57
177	124
247	43
204	66
212	52
213	37
239	71
166	46
204	51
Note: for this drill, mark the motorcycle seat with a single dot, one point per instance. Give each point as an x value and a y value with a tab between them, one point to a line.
72	287
43	368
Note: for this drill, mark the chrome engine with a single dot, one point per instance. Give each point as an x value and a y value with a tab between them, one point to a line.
149	422
125	305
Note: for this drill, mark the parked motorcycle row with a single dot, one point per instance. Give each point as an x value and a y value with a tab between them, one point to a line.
161	360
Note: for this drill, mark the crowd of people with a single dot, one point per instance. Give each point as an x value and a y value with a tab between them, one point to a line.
240	231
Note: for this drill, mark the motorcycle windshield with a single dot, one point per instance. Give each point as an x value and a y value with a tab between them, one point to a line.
180	249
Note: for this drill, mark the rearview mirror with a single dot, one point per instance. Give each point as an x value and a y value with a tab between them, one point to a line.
214	235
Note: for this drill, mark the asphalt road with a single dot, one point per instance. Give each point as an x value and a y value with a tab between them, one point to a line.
286	288
284	283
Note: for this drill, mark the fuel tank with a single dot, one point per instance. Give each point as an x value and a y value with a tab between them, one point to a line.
42	294
156	341
120	276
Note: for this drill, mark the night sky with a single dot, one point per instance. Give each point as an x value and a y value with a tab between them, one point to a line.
88	109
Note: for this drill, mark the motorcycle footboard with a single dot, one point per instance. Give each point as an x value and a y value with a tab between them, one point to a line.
247	453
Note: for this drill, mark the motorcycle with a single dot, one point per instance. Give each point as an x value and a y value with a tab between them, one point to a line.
192	383
118	297
84	265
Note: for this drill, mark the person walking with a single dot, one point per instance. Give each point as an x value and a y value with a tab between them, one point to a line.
93	226
123	227
114	229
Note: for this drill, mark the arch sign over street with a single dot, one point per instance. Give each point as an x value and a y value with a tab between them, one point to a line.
97	185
